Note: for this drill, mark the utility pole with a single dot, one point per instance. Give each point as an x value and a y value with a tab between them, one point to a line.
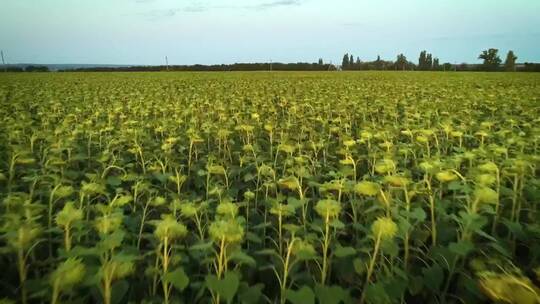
3	62
167	63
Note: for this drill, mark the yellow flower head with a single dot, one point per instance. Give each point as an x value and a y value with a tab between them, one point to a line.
68	215
384	227
384	166
282	209
367	188
170	228
230	231
228	209
188	210
446	176
485	179
289	183
489	167
508	288
397	181
328	208
63	191
108	223
68	273
485	195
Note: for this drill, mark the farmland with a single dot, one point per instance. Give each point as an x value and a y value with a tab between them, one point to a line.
314	187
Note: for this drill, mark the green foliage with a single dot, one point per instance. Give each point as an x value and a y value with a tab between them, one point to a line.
491	59
225	287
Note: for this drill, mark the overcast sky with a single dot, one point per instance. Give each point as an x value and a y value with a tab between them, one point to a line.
226	31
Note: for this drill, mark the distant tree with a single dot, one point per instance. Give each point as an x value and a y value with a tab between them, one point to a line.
345	62
422	61
320	61
491	59
33	68
378	63
436	66
13	69
510	62
447	66
401	62
463	67
351	62
531	67
429	62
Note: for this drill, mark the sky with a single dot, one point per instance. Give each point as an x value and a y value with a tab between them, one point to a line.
226	31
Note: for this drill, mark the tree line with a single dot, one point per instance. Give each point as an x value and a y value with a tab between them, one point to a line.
427	62
29	68
268	66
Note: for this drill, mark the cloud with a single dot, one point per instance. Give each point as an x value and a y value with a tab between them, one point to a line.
273	4
199	7
162	13
171	12
196	8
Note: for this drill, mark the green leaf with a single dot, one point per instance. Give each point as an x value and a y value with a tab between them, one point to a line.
461	248
267	252
515	228
389	247
118	291
302	296
330	294
114	181
342	252
202	246
225	287
418	214
455	185
251	294
433	277
177	278
487	236
241	257
252	237
337	224
415	285
359	266
376	293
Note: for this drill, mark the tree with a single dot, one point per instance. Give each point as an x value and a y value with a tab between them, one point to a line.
378	63
345	62
510	62
320	61
33	68
351	62
491	59
429	62
447	66
436	65
401	62
422	61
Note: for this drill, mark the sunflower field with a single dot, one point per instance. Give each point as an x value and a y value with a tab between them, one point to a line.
270	187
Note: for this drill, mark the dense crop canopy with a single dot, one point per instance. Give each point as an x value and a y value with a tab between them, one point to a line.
262	187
